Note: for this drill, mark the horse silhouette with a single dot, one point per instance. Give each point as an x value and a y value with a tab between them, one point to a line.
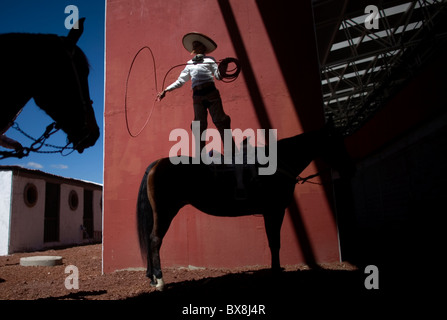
167	187
53	71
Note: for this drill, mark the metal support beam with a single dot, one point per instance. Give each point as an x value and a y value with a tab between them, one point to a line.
363	67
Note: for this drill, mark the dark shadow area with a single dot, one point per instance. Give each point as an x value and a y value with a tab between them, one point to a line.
247	70
301	74
285	295
80	295
301	234
403	237
393	207
11	264
294	43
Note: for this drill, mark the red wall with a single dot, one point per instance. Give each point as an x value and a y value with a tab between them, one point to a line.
279	88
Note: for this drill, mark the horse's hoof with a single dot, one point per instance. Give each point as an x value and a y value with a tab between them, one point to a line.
159	284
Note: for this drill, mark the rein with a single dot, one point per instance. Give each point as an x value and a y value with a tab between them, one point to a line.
287	171
301	180
37	144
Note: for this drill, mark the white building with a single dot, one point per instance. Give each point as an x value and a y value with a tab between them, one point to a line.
39	210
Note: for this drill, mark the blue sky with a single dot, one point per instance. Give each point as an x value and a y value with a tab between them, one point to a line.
48	16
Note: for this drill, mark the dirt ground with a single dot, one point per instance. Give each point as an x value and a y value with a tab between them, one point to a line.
293	289
31	283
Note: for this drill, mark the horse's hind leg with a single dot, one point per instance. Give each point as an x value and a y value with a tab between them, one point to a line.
273	222
157	275
161	221
161	225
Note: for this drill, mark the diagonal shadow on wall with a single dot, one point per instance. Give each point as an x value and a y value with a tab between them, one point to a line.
262	115
294	43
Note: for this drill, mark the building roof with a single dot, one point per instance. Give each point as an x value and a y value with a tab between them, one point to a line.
363	65
34	173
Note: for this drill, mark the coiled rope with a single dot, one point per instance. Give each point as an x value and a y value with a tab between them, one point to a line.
227	76
232	74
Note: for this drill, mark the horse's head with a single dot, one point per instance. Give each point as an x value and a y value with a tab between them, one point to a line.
336	154
62	90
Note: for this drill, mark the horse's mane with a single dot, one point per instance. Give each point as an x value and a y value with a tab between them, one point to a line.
27	45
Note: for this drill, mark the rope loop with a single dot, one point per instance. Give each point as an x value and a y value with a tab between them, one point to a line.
134	135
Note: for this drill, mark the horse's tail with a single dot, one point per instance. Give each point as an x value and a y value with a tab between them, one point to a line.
145	219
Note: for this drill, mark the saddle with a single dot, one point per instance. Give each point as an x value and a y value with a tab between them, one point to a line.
243	173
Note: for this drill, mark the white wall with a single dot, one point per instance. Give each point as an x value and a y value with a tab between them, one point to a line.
97	212
27	223
5	210
70	221
22	226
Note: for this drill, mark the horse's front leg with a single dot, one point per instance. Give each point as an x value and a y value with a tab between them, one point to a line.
273	222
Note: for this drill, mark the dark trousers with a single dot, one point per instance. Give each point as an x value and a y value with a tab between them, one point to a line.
209	100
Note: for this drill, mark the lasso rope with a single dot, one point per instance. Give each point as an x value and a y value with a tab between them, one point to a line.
227	76
127	85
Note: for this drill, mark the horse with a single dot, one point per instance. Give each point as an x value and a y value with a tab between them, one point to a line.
167	187
53	71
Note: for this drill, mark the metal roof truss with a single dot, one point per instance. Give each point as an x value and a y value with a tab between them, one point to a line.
364	67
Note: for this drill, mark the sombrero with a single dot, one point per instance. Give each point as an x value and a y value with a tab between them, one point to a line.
189	38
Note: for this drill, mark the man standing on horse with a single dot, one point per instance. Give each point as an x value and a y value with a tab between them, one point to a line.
202	70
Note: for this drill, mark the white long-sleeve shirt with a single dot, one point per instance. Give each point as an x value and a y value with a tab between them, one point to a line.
198	72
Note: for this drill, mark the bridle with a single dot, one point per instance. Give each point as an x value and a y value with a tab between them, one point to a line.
84	102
